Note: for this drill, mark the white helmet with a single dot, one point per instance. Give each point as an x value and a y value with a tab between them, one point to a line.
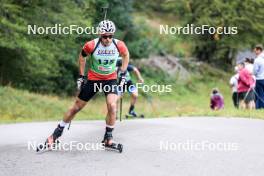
106	26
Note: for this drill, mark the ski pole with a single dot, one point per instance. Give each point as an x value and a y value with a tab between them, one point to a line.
104	9
69	125
257	95
246	95
120	115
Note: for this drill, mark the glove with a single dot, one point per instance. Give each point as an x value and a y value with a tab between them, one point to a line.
141	80
80	82
122	78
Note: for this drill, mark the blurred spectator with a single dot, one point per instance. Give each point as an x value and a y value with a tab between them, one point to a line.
245	88
233	83
249	65
217	100
258	71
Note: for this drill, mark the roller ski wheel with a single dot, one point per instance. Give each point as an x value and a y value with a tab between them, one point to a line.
132	116
113	146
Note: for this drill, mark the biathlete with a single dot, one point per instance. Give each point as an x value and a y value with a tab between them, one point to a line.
130	87
103	53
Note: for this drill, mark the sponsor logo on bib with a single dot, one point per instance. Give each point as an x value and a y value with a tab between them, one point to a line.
102	68
106	52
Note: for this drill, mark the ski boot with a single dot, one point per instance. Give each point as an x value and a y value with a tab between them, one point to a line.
108	143
52	141
133	114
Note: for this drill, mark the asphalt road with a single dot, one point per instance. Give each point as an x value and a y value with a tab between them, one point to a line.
156	147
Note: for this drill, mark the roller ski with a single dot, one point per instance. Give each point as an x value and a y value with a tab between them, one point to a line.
52	142
109	144
133	114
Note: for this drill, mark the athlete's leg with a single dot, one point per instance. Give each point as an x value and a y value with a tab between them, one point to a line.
75	108
111	100
133	100
68	116
85	95
134	95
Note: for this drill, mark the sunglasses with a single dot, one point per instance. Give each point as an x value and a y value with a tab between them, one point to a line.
107	36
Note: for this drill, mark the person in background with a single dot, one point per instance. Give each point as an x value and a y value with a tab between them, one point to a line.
245	88
249	65
217	100
129	86
258	71
233	84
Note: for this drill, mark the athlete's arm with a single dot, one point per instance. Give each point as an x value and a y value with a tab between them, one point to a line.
82	62
123	51
125	61
87	50
138	74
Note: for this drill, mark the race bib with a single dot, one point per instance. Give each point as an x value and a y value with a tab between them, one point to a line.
105	68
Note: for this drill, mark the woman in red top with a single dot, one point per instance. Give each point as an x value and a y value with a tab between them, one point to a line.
245	88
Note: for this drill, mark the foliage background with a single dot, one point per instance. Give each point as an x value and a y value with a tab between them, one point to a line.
47	64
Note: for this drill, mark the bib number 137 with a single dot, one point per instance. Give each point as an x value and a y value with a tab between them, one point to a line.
106	61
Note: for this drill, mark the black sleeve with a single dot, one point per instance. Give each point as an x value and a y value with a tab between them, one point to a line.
130	68
84	53
119	63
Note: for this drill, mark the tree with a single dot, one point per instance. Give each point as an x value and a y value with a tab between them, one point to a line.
217	49
246	15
